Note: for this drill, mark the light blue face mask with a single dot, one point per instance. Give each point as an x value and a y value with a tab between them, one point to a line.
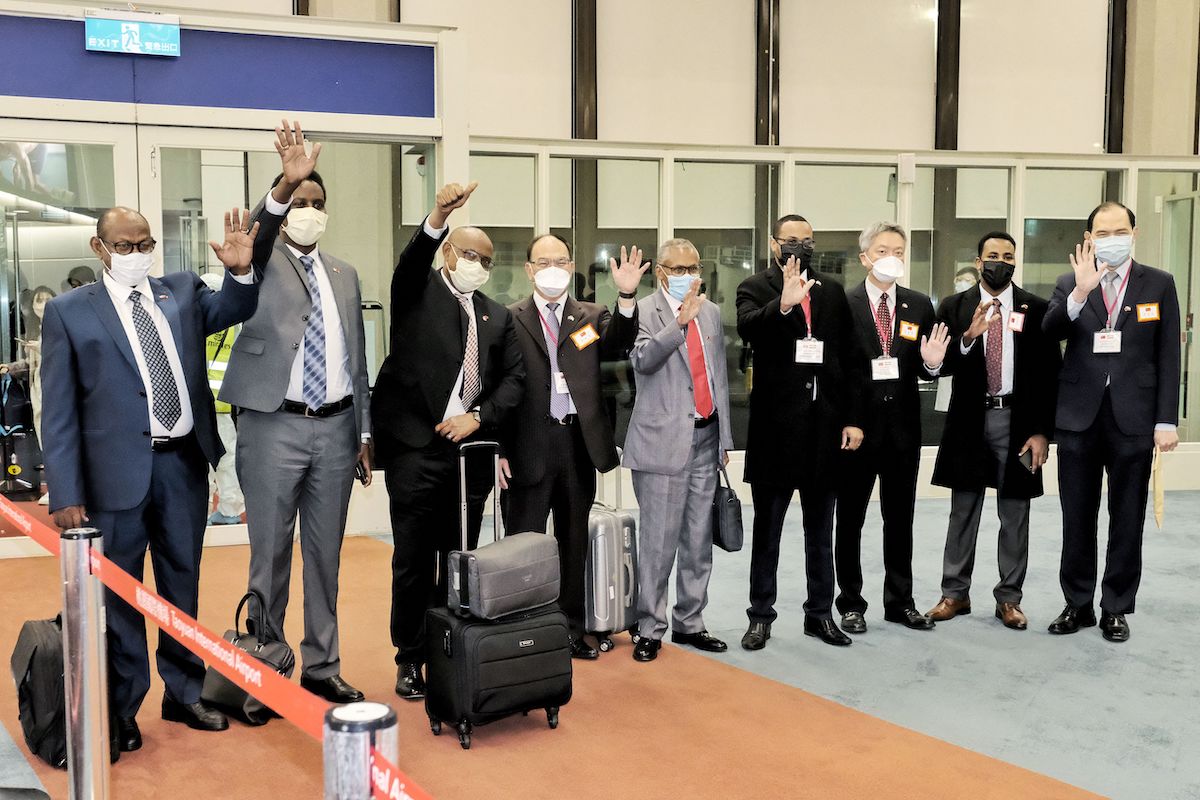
1114	250
678	285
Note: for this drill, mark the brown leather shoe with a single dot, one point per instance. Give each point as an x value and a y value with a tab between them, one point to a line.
949	608
1012	616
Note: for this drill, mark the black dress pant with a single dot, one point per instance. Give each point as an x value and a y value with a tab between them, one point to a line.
1083	458
896	469
566	490
770	508
423	487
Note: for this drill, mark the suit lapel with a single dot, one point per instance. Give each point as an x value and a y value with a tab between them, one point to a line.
1135	283
102	303
484	325
572	321
165	300
527	315
342	294
860	306
295	262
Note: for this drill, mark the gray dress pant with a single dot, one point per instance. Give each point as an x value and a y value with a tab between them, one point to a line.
966	507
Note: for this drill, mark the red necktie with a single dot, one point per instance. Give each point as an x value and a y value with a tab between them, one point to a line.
883	325
704	401
995	351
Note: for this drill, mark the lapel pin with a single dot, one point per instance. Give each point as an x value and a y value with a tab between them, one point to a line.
335	269
164	297
904	305
1127	308
485	317
572	318
1024	305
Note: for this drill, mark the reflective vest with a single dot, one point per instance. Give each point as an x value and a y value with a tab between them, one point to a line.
217	349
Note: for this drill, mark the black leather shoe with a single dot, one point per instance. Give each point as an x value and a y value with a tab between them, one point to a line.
128	737
1071	620
195	715
646	649
333	689
701	641
826	630
854	622
756	636
583	650
1114	627
910	618
409	683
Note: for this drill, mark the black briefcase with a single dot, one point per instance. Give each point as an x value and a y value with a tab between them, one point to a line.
727	516
264	645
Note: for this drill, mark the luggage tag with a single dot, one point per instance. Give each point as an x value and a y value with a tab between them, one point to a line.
885	369
1016	322
810	351
560	384
1106	341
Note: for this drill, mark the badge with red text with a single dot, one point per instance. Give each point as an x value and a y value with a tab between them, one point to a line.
1016	322
909	330
584	336
1148	312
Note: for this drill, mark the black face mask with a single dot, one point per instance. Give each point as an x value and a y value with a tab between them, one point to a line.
997	274
803	253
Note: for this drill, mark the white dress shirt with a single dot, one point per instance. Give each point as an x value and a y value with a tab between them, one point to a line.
712	389
558	313
1006	308
873	295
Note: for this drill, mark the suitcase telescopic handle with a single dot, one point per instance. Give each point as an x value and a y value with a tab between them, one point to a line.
463	497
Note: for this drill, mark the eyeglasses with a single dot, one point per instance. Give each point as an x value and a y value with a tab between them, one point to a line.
561	263
474	255
125	248
794	242
682	269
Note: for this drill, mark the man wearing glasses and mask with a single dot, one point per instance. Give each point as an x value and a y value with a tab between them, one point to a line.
806	406
453	373
560	435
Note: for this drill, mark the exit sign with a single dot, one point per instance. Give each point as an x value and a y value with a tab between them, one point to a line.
131	32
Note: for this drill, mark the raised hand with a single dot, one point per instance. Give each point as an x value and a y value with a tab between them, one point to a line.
795	288
236	251
628	274
979	323
1083	263
693	301
297	163
449	197
933	345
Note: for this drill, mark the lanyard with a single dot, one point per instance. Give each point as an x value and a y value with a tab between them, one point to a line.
546	325
875	315
1108	320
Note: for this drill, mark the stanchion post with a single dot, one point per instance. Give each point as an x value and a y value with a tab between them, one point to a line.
351	731
85	667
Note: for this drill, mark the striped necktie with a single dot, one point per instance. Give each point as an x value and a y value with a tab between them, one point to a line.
314	386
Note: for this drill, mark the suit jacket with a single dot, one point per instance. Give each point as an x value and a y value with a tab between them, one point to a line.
1143	377
524	440
95	421
428	339
892	411
659	438
260	366
964	460
794	438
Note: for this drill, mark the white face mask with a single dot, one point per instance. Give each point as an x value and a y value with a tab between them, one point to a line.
128	270
468	276
963	284
551	281
888	269
305	225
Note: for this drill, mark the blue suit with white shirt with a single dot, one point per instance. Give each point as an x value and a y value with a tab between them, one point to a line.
143	485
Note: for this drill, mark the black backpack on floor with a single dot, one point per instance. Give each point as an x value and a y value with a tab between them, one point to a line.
37	667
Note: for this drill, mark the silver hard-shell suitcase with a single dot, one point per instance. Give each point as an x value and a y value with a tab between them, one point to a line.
610	592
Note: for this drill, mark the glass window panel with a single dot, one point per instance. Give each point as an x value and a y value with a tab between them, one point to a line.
1057	204
840	200
505	206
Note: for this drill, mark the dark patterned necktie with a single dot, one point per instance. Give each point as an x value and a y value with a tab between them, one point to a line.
883	324
167	409
471	386
995	351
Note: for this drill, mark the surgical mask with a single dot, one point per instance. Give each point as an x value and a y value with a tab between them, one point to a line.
1114	250
305	225
679	285
128	270
551	281
888	269
962	284
468	276
803	253
997	274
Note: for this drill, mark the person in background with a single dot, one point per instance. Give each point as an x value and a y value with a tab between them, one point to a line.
223	481
79	276
966	278
30	366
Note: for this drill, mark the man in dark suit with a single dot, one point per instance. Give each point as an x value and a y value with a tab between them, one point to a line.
899	343
129	426
1005	372
1118	400
805	407
560	435
454	373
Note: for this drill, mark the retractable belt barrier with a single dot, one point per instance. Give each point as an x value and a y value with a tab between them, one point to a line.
298	706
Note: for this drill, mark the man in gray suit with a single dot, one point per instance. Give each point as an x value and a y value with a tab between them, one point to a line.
678	436
298	379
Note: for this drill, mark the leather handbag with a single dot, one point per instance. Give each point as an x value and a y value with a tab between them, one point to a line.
727	516
265	645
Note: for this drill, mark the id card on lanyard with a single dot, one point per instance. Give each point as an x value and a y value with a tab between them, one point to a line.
1109	340
809	350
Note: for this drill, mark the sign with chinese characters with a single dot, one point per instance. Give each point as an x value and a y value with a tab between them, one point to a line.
133	32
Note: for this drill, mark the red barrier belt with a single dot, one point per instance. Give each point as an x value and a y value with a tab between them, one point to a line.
298	706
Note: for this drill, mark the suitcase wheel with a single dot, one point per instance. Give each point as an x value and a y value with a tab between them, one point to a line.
464	735
552	717
436	727
606	644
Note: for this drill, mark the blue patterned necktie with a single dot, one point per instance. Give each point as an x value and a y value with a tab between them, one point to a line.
167	409
314	343
559	403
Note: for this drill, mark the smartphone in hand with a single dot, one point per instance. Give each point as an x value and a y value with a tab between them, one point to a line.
1026	459
360	472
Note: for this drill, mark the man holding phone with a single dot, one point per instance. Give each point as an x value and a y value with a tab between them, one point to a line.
998	427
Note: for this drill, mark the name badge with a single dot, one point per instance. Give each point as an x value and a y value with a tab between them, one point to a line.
1106	342
810	351
909	330
885	369
584	336
560	384
1148	312
1016	322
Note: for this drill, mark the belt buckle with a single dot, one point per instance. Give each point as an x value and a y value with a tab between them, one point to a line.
308	411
